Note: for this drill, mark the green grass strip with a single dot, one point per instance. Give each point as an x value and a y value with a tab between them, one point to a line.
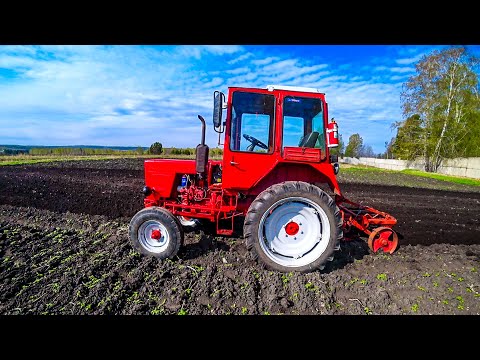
449	178
354	169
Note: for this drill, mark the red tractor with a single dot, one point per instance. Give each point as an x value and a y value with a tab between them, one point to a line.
276	159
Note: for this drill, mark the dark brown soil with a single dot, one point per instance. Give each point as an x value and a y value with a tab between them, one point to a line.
64	250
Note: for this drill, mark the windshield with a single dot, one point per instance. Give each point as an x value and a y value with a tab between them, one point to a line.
303	123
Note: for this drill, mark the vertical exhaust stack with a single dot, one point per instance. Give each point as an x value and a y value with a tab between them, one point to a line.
202	151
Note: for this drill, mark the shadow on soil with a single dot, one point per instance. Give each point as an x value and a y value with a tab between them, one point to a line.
349	252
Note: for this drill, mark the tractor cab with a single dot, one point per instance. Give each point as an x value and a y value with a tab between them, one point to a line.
266	128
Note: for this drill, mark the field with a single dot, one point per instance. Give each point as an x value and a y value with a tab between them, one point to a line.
64	250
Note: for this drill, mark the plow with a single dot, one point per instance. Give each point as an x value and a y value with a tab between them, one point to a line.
377	225
276	155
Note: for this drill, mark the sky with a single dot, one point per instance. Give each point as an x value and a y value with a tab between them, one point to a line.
135	95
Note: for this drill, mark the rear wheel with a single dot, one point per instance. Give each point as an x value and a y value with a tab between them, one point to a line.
155	231
293	226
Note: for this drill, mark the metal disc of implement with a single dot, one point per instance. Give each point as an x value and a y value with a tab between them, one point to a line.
383	238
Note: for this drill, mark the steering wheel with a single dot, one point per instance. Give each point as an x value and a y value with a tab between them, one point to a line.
255	142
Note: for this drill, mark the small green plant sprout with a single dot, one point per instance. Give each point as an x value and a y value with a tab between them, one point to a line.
244	286
382	276
460	279
266	313
427	274
435	284
133	297
445	302
414	307
351	282
182	312
286	278
196	269
55	287
364	281
244	311
421	288
473	269
92	282
367	310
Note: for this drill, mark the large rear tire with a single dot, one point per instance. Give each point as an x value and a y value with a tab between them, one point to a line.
156	232
293	226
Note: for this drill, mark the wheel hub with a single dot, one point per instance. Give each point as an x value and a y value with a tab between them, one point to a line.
292	228
156	234
383	238
153	236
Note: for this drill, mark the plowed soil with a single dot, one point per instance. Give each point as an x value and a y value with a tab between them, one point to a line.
64	249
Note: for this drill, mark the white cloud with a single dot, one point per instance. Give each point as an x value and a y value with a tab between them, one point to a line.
242	70
197	51
240	58
15	62
265	61
223	49
410	60
402	69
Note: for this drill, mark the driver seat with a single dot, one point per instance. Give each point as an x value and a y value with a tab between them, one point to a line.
309	140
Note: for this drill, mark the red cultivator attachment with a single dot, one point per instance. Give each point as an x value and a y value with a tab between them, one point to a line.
376	224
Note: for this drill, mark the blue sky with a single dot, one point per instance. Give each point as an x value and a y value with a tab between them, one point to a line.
128	95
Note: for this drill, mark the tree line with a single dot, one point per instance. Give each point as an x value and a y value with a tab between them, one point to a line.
80	151
155	149
441	109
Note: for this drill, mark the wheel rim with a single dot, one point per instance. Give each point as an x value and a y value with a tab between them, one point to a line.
294	232
383	238
187	221
153	236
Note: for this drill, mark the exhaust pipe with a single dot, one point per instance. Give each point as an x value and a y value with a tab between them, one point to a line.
203	129
202	151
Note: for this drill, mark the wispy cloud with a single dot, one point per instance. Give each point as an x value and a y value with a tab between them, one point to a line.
410	60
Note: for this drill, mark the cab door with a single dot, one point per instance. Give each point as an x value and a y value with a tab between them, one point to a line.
249	137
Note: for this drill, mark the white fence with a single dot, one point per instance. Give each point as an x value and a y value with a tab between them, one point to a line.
467	167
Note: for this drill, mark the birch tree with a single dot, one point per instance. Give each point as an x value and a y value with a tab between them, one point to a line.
444	94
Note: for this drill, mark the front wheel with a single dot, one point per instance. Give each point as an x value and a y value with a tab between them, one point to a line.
293	226
155	231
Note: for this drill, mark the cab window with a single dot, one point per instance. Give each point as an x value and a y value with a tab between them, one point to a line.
252	122
303	124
